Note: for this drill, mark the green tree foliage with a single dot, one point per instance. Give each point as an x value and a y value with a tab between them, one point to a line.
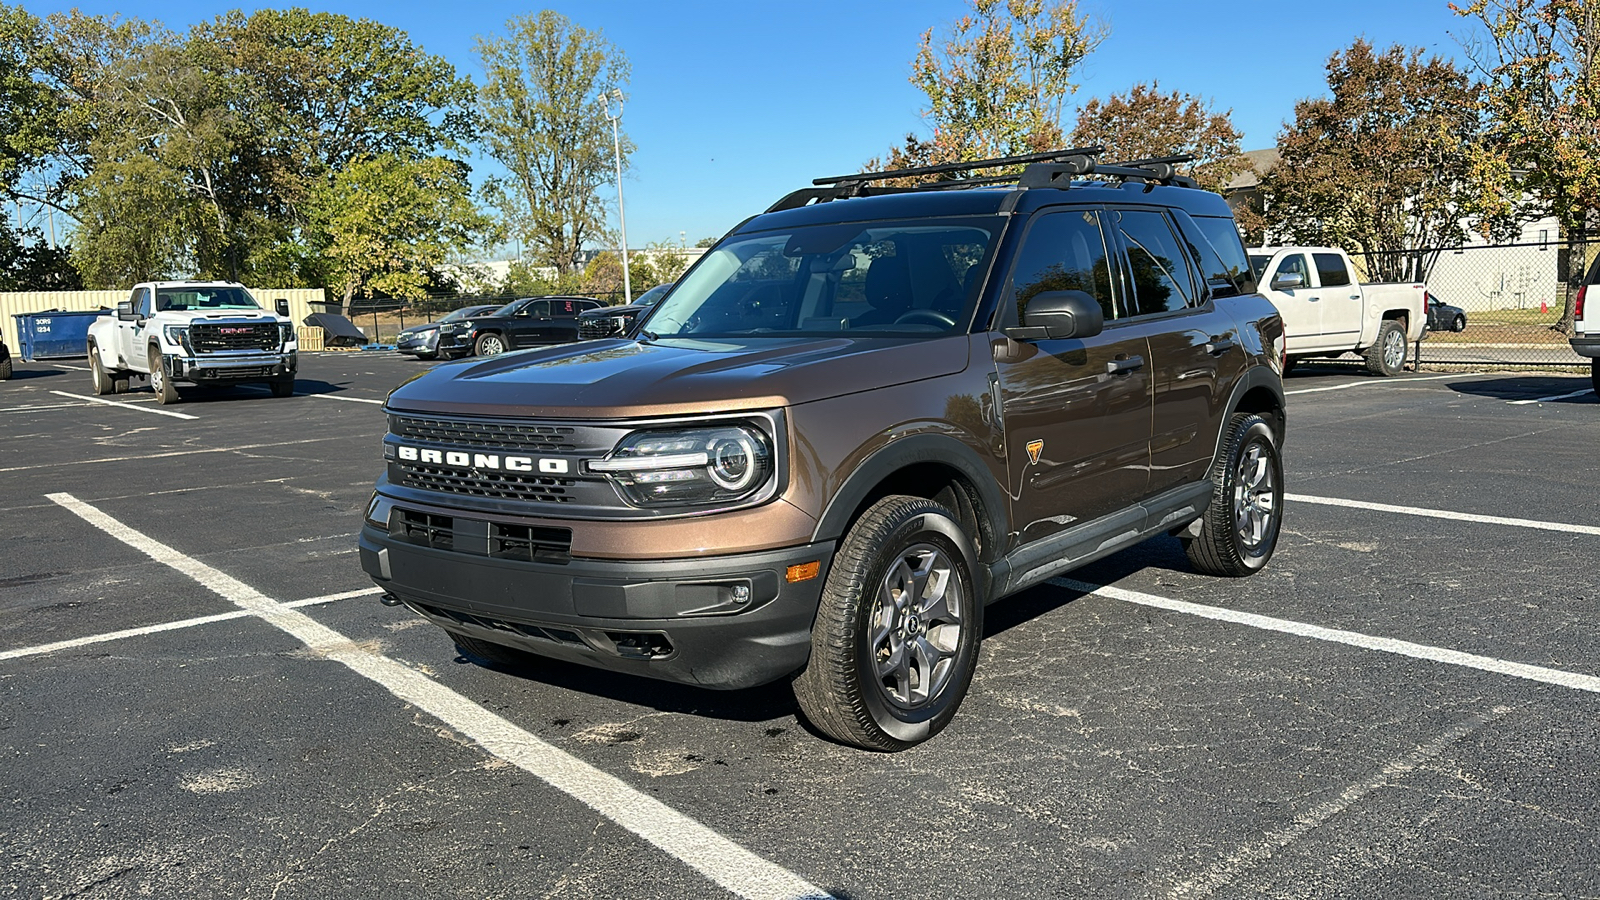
997	81
543	118
28	264
1541	155
1383	167
388	220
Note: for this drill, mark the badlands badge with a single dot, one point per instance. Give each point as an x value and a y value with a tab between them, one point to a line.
1035	447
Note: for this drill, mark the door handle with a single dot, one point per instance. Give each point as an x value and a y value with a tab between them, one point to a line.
1221	345
1313	299
1124	366
1355	296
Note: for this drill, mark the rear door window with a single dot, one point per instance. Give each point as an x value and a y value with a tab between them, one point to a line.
1331	270
1163	279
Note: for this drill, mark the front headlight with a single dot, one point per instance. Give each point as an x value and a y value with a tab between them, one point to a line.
690	467
178	335
285	332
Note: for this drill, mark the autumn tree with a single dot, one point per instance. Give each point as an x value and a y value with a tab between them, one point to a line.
1383	166
1147	123
543	114
1541	154
997	80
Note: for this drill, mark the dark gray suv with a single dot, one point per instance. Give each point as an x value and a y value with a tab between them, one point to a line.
857	420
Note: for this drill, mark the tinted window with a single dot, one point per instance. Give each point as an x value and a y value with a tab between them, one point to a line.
1294	264
1216	244
1063	251
1162	281
1331	269
537	309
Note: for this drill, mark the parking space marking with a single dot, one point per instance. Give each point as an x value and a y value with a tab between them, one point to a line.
733	867
1445	514
1225	871
72	368
143	456
1444	655
159	412
1390	382
41	649
23	409
1550	399
346	399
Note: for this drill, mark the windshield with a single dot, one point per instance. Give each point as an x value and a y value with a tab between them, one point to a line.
652	296
917	277
204	298
1258	263
509	309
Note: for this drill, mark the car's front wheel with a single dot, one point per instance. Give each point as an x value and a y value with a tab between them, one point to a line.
1239	530
490	344
896	636
1459	323
166	391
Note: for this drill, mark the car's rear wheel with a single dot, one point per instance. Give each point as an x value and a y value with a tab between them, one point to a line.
103	383
166	391
490	344
488	653
1387	355
1239	530
1459	323
897	631
1594	374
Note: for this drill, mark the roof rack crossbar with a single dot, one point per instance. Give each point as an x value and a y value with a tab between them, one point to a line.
945	168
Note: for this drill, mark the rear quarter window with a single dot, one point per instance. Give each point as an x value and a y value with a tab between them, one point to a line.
1223	235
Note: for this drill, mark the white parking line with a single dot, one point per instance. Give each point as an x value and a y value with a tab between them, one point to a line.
40	649
1556	677
169	453
22	409
1445	514
159	412
707	852
346	399
1550	399
72	368
1389	382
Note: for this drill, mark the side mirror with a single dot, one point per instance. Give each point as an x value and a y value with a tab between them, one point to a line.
1059	315
282	306
125	311
1287	281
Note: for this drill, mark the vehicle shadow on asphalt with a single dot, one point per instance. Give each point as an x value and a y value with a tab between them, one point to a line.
1526	387
25	374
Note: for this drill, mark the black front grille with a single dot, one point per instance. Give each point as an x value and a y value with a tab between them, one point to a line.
601	326
212	337
555	635
523	436
526	542
499	485
437	532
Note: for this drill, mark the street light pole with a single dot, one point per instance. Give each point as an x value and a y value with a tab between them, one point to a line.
622	217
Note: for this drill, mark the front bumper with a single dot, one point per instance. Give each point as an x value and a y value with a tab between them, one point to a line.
426	342
679	620
1586	345
231	367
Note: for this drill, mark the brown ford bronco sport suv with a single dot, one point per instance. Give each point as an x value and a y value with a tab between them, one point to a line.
860	417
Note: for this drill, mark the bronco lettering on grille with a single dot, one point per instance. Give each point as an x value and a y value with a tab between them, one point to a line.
487	461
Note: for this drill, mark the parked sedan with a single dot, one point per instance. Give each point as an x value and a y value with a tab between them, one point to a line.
1444	317
520	324
619	320
422	341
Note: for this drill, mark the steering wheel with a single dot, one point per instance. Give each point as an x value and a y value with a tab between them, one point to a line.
925	317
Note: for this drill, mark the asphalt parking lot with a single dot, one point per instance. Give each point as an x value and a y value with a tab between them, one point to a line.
200	695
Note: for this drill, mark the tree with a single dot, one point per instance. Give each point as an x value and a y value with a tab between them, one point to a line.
388	220
997	81
1383	166
544	119
1146	123
1541	98
28	264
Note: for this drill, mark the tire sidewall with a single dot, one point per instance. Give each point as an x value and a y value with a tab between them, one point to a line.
1258	431
483	342
916	725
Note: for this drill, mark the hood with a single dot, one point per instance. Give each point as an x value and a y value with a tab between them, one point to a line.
617	378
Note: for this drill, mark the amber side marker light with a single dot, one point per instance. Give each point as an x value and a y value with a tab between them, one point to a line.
803	572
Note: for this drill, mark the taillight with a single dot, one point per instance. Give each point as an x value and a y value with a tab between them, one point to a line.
1577	305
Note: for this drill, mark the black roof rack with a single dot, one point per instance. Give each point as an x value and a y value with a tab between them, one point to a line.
1052	168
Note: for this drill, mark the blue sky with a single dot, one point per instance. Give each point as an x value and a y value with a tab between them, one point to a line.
733	104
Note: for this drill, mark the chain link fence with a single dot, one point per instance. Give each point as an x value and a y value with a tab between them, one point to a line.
1497	306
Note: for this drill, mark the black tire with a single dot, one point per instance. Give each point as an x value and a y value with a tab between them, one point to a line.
1289	362
1594	374
488	653
489	344
1246	495
1459	323
103	383
1387	355
5	369
895	576
282	387
166	392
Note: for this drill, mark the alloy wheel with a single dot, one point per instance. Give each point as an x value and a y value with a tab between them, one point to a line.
916	625
1254	496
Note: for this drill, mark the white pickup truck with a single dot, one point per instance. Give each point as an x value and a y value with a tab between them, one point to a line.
1326	312
1586	325
201	332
